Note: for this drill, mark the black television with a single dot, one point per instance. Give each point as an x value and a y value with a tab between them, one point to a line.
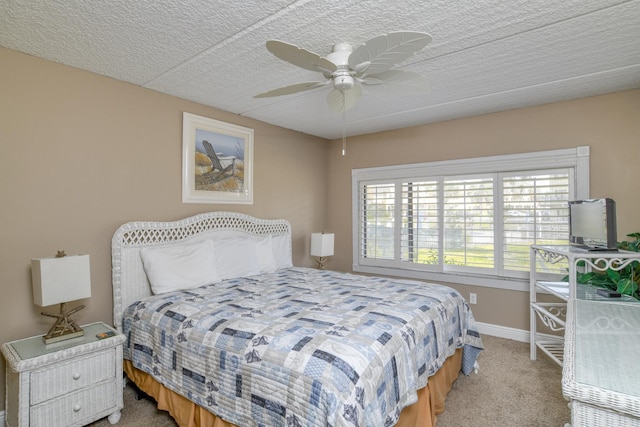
592	224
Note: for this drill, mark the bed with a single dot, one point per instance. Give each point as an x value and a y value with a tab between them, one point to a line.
222	330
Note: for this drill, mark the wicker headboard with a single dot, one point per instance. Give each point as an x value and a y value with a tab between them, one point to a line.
130	282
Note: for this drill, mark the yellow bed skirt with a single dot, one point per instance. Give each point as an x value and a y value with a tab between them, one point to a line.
423	413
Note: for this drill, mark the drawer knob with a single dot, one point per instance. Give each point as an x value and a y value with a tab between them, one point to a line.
76	375
76	407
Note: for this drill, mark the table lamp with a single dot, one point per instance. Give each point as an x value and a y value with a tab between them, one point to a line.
59	280
322	247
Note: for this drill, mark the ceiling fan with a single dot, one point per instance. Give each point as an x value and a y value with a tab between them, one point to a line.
346	67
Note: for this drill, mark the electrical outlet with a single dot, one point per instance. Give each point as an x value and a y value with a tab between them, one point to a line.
473	298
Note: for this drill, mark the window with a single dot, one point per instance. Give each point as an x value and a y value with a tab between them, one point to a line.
467	221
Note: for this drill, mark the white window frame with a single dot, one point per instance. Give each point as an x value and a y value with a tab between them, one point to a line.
576	158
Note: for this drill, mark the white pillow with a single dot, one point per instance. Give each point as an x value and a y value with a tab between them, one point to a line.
236	258
282	251
264	252
177	267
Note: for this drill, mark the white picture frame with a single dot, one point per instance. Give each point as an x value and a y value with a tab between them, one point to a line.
217	161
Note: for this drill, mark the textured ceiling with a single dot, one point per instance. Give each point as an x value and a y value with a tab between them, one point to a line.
486	55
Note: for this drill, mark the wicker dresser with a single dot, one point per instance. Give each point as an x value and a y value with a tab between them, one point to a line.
600	377
70	383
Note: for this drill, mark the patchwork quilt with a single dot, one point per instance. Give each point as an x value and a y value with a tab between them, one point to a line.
301	347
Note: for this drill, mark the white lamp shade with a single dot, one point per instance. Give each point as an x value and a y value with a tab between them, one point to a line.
322	244
58	280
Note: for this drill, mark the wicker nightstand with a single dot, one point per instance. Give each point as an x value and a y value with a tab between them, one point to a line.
71	383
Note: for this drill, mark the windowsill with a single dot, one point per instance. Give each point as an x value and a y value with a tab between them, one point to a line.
511	284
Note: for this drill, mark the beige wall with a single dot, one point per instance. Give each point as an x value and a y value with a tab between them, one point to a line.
81	154
609	124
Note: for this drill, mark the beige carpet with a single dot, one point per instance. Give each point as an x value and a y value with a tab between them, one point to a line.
509	390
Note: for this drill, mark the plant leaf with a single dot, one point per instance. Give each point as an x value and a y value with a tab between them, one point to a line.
627	287
613	275
626	280
584	278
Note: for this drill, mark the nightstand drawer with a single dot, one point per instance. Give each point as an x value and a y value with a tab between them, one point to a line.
76	407
67	377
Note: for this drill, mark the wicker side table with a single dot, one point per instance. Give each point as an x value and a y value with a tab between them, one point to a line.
70	383
600	377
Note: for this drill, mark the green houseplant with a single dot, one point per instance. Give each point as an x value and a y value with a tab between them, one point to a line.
626	280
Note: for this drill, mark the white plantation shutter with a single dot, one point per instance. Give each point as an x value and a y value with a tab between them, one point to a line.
469	221
377	221
535	211
419	237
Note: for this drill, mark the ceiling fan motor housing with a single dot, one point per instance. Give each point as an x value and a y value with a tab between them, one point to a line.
343	81
343	76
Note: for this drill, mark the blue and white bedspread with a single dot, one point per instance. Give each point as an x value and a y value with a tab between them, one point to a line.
301	347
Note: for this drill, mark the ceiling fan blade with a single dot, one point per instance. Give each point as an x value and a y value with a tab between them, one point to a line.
410	79
288	90
300	57
342	100
382	53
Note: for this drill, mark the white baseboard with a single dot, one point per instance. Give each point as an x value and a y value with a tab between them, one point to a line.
508	333
1	418
503	332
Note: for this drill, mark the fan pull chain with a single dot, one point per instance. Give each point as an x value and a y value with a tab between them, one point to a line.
344	123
